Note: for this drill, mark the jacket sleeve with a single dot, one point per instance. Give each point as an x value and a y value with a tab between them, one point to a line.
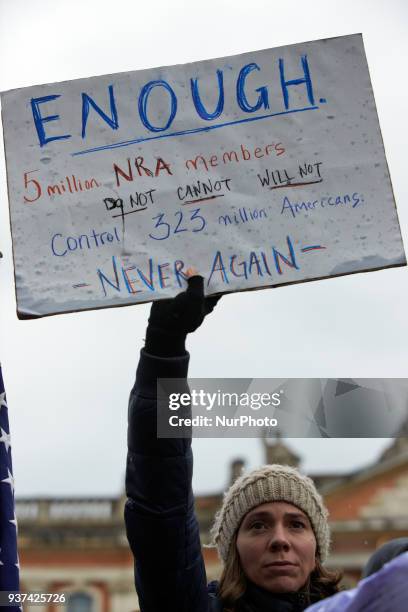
161	525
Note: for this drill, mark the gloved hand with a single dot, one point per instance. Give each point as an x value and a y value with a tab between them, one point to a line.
171	320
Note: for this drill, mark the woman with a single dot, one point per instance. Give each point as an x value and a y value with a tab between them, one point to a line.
272	531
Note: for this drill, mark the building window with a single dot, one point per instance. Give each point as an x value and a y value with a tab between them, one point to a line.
79	602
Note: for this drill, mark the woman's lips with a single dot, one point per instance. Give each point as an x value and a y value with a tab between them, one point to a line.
279	564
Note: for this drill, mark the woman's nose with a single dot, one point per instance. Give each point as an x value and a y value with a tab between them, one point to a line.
279	540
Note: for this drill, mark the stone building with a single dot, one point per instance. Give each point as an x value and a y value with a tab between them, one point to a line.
78	547
368	508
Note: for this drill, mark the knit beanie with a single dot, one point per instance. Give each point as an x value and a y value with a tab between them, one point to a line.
270	483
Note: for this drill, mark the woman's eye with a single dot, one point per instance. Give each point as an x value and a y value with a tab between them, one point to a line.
298	525
257	525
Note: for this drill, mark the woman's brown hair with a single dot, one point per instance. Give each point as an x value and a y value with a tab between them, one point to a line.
233	582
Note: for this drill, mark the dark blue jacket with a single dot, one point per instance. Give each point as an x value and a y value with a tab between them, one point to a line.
161	525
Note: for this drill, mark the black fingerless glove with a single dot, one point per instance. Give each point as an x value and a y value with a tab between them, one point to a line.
171	320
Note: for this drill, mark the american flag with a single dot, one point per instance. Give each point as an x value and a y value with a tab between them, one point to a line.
9	566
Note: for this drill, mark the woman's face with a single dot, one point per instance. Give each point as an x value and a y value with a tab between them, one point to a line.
277	547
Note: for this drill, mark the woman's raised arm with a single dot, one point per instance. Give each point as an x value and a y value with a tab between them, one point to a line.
161	525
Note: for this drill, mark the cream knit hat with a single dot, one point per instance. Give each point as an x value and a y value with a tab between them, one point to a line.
267	484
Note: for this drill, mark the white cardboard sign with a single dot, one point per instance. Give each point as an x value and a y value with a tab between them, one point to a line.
260	169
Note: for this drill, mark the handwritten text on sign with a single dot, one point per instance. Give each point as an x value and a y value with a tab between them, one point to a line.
260	169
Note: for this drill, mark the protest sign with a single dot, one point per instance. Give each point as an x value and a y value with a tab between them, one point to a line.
260	169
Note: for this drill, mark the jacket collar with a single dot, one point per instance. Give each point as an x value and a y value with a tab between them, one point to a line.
256	599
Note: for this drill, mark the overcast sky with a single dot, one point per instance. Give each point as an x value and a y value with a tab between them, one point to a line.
68	377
